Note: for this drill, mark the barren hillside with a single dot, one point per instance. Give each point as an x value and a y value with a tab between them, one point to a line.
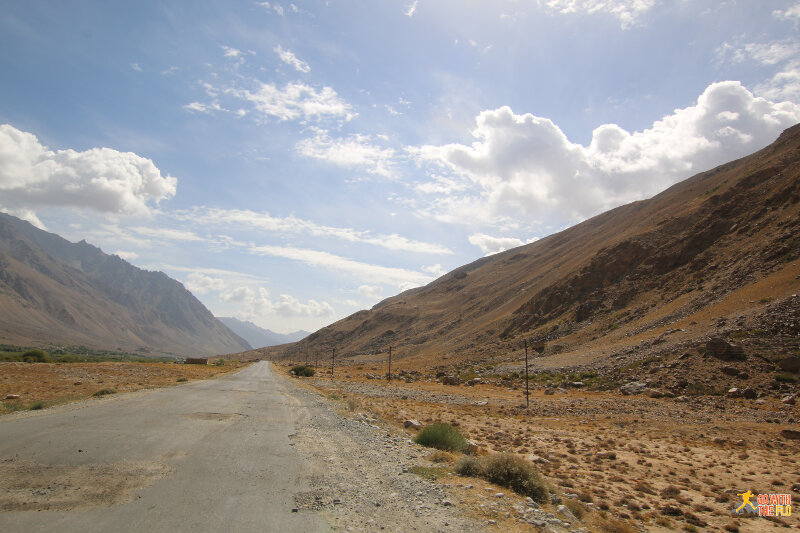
707	256
55	291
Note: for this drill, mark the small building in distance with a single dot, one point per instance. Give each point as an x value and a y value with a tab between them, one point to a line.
197	360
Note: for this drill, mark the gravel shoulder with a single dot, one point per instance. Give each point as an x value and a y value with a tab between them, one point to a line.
360	471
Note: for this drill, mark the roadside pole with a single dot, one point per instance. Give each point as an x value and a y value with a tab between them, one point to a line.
333	361
527	393
389	375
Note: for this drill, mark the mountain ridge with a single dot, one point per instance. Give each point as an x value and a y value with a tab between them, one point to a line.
609	276
56	291
257	336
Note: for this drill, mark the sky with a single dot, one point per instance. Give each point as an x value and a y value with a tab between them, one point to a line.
294	162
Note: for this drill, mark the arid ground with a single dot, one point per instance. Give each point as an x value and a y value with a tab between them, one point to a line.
40	385
621	463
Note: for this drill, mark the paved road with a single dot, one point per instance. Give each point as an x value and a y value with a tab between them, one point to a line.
224	444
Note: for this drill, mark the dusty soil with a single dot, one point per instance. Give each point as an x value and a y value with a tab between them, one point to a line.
42	385
26	486
622	461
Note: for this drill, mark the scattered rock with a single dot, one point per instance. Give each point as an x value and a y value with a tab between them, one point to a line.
791	434
735	392
12	396
450	380
606	455
549	392
473	448
790	400
634	387
413	424
729	371
564	511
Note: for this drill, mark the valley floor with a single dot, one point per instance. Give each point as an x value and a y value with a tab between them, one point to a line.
624	463
41	385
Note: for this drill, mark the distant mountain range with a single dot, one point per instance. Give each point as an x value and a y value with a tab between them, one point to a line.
259	337
707	254
55	291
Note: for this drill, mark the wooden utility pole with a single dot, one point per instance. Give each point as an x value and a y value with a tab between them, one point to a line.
389	375
333	361
527	394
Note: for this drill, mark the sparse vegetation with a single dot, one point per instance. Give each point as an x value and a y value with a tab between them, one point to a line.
508	471
70	354
442	436
303	370
104	392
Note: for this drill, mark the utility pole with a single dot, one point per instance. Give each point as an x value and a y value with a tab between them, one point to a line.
333	360
316	360
527	394
389	376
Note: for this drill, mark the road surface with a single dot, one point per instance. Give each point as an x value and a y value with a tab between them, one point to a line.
212	455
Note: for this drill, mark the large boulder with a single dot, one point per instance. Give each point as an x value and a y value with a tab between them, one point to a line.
722	349
790	364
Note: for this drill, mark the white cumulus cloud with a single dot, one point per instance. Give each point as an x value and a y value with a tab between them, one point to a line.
199	283
355	151
370	291
626	11
491	245
524	165
791	13
33	176
294	101
292	60
258	303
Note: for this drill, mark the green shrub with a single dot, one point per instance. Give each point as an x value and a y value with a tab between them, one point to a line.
35	406
182	380
103	392
468	466
35	356
303	370
785	378
515	473
442	436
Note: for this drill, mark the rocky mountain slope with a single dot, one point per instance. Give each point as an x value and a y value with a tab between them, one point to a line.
55	291
259	337
712	255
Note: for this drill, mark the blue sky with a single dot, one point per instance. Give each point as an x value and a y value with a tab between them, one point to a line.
294	162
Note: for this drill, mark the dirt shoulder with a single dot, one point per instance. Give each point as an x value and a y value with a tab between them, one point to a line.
659	464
